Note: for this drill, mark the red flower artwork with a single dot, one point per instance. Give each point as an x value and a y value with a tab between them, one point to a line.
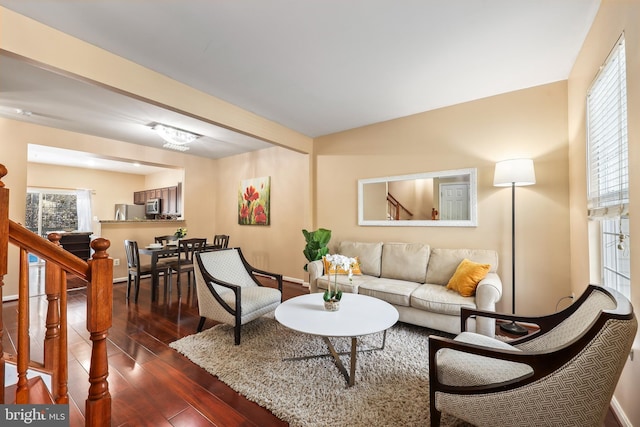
254	205
250	194
244	211
259	215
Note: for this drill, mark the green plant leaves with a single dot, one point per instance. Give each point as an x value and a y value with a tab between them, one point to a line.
316	246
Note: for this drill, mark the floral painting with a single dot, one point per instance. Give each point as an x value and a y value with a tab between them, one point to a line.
253	201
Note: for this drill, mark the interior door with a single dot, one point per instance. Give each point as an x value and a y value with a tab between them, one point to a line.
454	201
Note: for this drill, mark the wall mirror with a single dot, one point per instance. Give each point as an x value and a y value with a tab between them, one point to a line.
433	199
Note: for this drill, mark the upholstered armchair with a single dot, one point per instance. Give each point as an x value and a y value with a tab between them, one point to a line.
229	292
562	375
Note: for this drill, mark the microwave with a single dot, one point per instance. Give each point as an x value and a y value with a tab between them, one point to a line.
152	206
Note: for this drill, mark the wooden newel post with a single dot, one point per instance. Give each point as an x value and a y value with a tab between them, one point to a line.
54	277
4	250
99	318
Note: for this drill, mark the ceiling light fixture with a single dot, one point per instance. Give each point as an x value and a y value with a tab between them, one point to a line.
22	112
176	139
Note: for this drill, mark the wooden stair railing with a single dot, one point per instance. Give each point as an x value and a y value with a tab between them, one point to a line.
98	273
396	207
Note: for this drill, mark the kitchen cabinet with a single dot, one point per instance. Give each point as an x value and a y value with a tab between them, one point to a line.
139	197
170	197
165	204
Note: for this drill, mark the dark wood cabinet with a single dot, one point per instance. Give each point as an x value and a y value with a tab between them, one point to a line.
164	205
139	197
77	243
170	197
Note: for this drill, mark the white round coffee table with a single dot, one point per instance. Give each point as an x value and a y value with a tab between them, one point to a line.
358	315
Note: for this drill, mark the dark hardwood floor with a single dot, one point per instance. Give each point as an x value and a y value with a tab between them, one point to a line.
150	383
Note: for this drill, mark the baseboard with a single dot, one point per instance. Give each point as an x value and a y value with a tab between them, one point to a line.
295	280
619	413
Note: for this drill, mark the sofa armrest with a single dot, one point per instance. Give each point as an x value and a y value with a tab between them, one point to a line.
315	270
488	293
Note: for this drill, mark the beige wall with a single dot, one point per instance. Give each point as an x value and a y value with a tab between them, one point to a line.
277	247
613	18
528	123
210	190
199	195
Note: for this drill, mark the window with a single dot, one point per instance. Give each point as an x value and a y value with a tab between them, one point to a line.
51	210
608	168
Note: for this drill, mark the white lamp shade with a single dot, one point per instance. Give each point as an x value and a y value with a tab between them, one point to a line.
514	171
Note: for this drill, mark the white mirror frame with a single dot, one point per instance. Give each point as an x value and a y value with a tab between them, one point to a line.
473	200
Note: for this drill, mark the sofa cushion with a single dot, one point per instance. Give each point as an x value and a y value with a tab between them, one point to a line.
467	276
439	299
405	261
369	255
443	262
393	291
344	283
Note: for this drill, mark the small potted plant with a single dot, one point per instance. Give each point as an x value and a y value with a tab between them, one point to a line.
180	233
333	296
316	246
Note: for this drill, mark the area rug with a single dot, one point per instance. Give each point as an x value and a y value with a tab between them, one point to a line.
391	385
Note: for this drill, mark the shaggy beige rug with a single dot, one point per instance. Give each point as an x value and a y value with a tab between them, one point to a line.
391	389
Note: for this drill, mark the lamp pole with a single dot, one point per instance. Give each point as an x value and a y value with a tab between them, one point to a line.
515	172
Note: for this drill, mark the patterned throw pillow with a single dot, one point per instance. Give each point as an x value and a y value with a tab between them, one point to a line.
355	269
467	276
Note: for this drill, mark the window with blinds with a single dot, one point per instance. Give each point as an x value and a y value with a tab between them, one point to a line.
608	165
608	169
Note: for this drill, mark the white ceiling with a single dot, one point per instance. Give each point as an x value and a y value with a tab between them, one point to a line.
315	66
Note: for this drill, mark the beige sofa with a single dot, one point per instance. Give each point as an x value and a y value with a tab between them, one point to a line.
413	278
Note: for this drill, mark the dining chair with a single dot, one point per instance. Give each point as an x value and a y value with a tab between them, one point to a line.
186	250
166	259
221	241
137	270
166	240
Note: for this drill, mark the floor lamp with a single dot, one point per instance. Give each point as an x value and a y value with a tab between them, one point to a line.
514	173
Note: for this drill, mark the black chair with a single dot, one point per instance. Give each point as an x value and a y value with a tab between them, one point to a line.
186	250
221	241
137	270
166	240
166	259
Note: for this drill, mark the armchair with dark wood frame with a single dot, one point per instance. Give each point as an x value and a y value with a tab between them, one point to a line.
564	374
229	291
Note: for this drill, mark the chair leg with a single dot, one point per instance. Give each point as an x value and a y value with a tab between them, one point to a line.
137	285
237	334
435	417
128	285
201	324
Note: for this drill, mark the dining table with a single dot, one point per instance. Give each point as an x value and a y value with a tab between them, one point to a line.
160	252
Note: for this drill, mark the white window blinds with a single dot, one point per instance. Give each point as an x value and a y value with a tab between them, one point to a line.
608	165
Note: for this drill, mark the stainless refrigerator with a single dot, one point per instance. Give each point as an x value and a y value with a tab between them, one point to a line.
125	212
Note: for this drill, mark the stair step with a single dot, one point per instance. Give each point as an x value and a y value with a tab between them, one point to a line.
38	392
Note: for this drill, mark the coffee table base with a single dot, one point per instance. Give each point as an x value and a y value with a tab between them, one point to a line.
349	376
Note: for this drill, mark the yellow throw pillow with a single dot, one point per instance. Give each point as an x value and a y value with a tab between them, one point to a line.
467	276
355	269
